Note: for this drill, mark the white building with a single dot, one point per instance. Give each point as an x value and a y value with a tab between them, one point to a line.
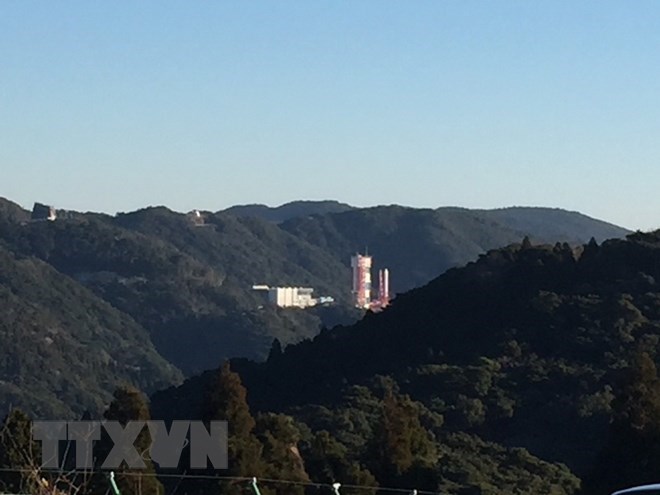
287	297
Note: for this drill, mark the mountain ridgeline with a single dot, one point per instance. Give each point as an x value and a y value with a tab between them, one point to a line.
419	244
288	211
184	288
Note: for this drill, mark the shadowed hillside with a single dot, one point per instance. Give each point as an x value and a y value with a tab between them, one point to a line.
526	348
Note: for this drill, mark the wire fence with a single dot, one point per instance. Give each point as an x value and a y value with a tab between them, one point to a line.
250	482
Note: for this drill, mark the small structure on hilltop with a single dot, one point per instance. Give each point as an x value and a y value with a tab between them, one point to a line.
196	218
41	213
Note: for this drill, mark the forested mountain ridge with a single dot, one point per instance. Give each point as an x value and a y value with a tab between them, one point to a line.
245	250
287	211
419	244
554	224
527	347
12	212
196	315
190	284
188	287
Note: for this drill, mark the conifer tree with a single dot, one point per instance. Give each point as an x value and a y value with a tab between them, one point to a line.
129	405
326	458
637	405
400	442
328	461
226	400
279	437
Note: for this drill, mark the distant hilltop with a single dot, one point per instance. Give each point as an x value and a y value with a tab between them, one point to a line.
43	212
564	225
415	244
288	211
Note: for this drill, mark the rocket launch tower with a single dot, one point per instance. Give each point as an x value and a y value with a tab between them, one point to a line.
361	265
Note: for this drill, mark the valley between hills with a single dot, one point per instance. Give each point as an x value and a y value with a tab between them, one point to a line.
518	354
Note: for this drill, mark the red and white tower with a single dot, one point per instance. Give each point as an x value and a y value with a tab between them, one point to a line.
383	287
361	280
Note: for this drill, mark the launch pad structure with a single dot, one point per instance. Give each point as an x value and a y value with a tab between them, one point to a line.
362	287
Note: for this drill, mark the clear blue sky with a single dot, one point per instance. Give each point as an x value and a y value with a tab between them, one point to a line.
116	105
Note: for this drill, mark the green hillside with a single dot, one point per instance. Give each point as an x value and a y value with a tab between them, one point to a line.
63	349
190	287
527	348
245	251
